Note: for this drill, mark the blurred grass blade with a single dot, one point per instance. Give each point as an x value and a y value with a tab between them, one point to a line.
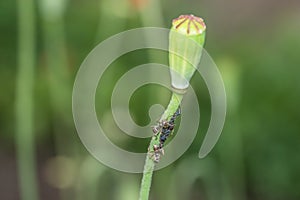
113	16
24	101
150	13
58	78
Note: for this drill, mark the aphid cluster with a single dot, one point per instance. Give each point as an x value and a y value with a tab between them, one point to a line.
165	128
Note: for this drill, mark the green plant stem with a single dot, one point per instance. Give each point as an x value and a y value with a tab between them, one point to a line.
149	163
24	138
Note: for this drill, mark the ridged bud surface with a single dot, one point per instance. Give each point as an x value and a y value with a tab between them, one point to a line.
186	41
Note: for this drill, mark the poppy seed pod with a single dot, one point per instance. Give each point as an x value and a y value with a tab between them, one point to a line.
186	41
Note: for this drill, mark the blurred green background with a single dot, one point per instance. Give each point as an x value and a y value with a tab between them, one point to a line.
256	47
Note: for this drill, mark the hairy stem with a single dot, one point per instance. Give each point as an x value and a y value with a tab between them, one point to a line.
185	45
149	163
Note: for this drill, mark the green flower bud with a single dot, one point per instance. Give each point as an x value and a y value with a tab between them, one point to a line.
186	41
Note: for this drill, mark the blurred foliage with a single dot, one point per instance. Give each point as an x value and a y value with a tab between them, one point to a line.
256	46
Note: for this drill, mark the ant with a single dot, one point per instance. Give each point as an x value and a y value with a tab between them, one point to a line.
165	128
156	153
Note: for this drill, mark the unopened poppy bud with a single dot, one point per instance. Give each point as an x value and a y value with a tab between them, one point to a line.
186	41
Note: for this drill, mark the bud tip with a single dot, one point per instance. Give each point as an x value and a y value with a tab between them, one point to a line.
189	25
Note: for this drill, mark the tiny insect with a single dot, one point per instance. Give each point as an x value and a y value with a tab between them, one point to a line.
178	112
156	153
165	128
156	129
155	156
159	149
